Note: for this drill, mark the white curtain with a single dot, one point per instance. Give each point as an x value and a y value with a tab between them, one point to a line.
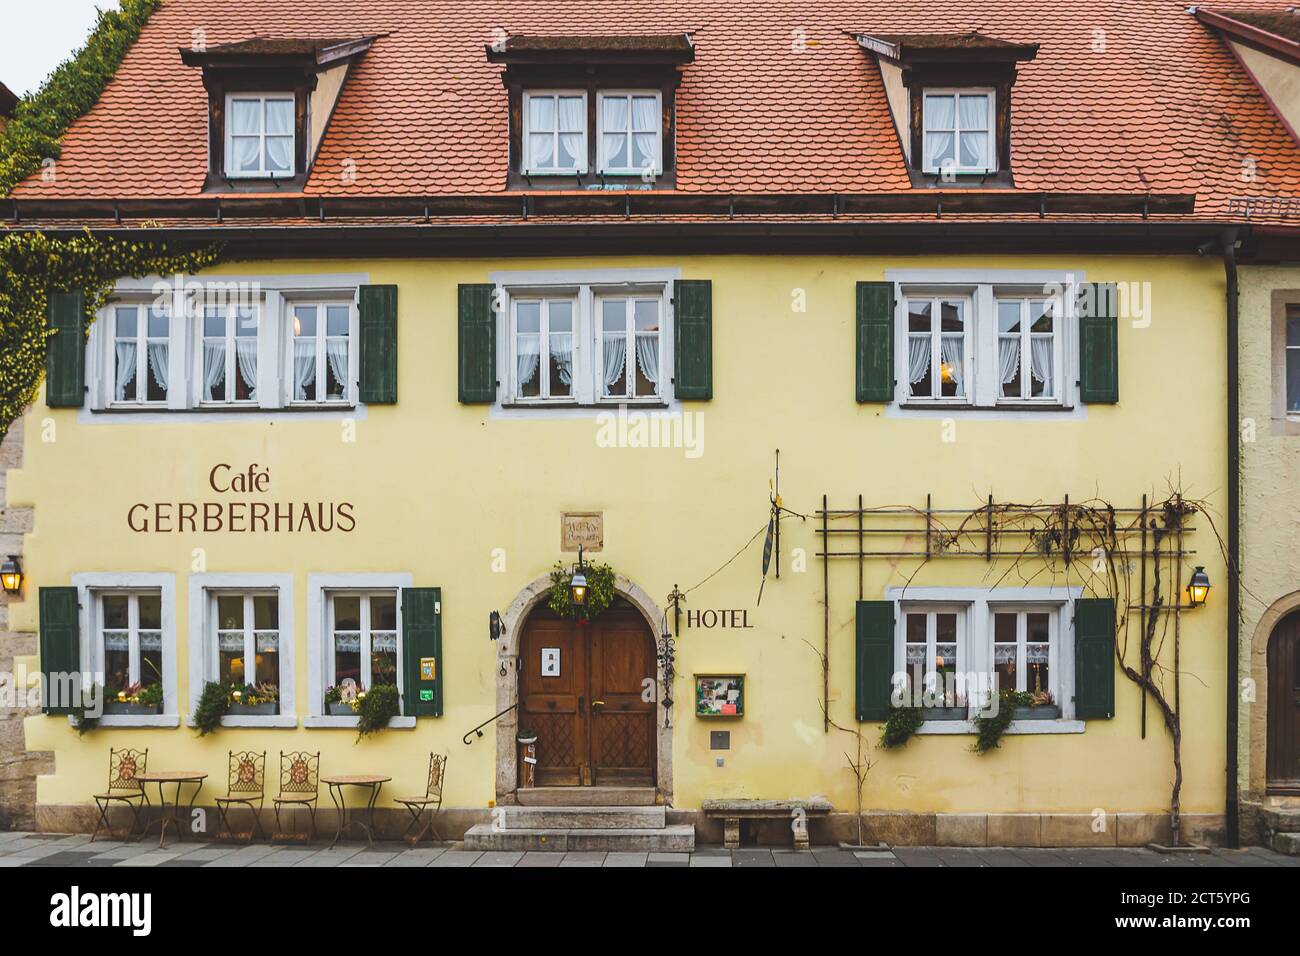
214	368
562	352
246	152
975	138
279	154
918	358
541	127
940	113
304	367
614	123
246	354
528	355
615	359
1040	351
158	362
645	120
336	351
951	352
244	118
125	368
279	135
572	124
1008	362
541	150
647	357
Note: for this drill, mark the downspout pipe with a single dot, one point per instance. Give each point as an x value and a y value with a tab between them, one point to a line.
1228	250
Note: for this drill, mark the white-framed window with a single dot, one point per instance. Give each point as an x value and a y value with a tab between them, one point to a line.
958	131
1025	648
938	347
141	354
246	634
630	130
322	361
129	640
1292	358
363	638
555	131
575	339
1029	346
227	359
543	340
933	638
260	135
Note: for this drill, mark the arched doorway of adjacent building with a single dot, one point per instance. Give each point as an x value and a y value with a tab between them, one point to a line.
1283	762
587	690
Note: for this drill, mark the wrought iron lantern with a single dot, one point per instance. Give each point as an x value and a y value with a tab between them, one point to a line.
1198	588
578	583
11	575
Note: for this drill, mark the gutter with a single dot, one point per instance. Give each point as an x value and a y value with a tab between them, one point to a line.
1228	244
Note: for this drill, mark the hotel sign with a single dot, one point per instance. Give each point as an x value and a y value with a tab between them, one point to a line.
585	528
232	511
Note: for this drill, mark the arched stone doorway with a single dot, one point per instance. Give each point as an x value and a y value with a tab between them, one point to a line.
1282	765
515	623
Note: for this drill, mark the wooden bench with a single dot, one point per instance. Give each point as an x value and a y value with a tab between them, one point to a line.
796	811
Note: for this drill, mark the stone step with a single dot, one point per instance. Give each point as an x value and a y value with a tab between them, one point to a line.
678	838
586	796
1288	843
1282	819
582	818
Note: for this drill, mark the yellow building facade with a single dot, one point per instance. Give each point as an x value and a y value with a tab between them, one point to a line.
429	491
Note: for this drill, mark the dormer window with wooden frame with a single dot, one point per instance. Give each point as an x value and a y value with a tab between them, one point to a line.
950	97
592	112
269	103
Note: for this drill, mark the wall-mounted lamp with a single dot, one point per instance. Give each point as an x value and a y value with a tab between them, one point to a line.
1198	588
494	626
578	584
11	575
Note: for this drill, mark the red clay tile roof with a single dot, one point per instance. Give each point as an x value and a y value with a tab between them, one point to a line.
1124	96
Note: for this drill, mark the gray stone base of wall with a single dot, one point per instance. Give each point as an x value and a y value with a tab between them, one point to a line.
895	829
18	768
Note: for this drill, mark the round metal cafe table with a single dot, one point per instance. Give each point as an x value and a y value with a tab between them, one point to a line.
373	782
162	778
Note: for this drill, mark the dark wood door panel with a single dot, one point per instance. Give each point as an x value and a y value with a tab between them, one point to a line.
1283	763
622	719
554	707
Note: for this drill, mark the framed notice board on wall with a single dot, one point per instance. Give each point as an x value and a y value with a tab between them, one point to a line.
719	695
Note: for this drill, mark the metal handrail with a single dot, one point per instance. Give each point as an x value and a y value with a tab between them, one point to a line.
478	731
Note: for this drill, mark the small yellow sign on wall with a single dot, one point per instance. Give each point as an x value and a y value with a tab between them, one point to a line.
428	668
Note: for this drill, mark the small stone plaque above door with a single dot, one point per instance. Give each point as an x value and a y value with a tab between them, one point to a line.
585	528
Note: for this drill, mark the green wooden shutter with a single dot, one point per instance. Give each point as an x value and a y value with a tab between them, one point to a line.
477	324
693	339
875	341
422	640
60	647
1099	343
378	344
1094	658
875	659
65	356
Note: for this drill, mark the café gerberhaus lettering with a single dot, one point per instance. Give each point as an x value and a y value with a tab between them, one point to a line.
235	514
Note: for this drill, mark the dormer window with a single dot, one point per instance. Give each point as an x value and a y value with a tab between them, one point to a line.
555	132
950	97
260	135
959	127
592	112
630	125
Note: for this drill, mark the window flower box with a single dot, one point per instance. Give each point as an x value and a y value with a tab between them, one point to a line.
340	709
131	707
944	713
1037	712
266	709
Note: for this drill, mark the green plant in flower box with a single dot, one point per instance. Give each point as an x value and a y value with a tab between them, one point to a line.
214	703
376	708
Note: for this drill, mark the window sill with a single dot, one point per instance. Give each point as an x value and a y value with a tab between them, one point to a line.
602	403
241	409
322	721
272	721
1021	727
1002	407
136	720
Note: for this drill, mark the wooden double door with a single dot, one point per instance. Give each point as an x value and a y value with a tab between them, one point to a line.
1284	706
588	691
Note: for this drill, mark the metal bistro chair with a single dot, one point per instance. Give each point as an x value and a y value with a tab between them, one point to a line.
299	785
431	801
123	768
246	787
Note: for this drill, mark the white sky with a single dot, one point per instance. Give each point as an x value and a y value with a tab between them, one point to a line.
38	35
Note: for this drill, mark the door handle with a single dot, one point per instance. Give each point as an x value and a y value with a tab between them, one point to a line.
595	704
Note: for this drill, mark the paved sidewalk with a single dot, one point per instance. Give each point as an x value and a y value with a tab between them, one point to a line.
33	849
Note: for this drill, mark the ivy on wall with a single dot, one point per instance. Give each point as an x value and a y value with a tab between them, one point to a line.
41	119
32	265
